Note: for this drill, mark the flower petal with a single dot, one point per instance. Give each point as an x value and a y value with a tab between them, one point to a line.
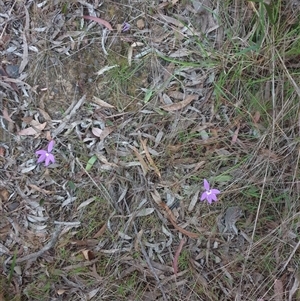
40	152
203	196
209	199
51	158
215	191
42	158
206	184
213	197
47	161
50	146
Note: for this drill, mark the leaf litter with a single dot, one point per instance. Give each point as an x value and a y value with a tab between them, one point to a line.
139	194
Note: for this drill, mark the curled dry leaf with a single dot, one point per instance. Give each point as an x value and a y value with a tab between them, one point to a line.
102	103
88	254
180	105
144	144
98	20
178	251
36	188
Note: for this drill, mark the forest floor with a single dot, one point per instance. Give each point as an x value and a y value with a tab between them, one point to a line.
143	101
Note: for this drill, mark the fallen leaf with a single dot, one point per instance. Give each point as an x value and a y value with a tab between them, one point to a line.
144	212
256	117
140	24
25	59
144	142
6	115
45	115
194	201
156	197
36	128
36	188
180	53
97	132
104	69
93	293
87	202
181	104
60	291
88	255
106	132
140	158
2	151
278	290
99	20
91	162
27	132
235	135
101	231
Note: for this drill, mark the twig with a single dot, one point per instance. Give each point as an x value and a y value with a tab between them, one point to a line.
178	251
103	40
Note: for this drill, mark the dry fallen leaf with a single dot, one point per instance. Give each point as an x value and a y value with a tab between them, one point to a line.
101	231
36	188
144	144
2	151
140	24
6	115
102	103
98	20
278	290
178	251
27	132
180	105
88	254
235	135
256	117
106	132
37	127
140	158
97	132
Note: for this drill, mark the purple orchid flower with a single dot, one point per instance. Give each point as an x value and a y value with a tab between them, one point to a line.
45	155
125	27
209	194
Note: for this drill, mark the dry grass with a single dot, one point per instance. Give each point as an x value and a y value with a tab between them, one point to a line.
211	92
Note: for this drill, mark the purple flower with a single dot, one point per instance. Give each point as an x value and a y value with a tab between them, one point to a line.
125	27
210	194
45	155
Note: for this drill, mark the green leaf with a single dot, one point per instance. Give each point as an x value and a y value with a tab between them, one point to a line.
90	163
148	95
222	178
